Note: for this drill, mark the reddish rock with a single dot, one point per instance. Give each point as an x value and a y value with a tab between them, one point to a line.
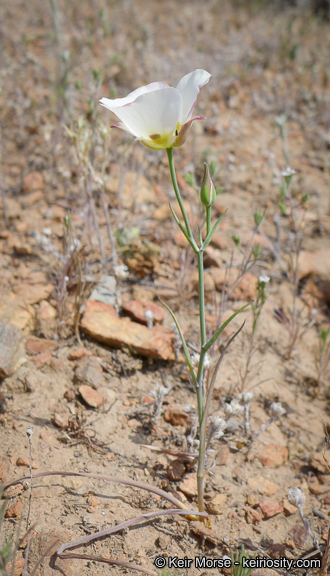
22	461
147	400
78	353
189	486
273	455
136	309
318	463
316	488
270	508
41	359
102	324
18	568
69	395
175	470
14	510
289	509
253	516
35	345
176	417
32	182
11	349
223	455
46	311
92	397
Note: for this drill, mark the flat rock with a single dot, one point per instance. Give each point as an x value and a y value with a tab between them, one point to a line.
189	486
270	508
318	463
15	311
92	397
137	309
34	345
253	515
217	505
14	510
246	287
78	353
273	455
89	371
11	349
101	323
22	461
223	455
289	509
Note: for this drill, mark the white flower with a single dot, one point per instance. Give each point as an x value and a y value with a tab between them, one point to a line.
234	408
157	114
245	397
296	497
288	172
264	279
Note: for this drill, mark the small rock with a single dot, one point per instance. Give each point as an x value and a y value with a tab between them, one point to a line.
46	311
60	421
133	423
101	323
189	486
14	510
22	249
270	508
89	371
176	417
92	500
289	509
35	345
220	241
148	399
217	505
136	309
78	353
316	488
213	258
273	455
253	516
209	285
92	397
69	395
11	349
32	182
22	461
318	463
223	454
175	470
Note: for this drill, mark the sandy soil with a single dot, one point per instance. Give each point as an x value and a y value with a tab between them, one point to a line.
263	63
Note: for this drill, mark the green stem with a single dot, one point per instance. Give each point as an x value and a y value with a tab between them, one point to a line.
208	220
177	191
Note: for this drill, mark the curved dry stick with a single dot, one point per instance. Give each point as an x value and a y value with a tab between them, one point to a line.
116	480
108	531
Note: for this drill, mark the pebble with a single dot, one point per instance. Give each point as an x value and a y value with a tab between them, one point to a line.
270	508
32	182
14	510
217	505
176	417
189	486
22	461
92	397
273	455
176	470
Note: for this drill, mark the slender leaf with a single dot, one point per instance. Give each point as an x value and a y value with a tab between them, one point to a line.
184	345
184	232
210	234
215	336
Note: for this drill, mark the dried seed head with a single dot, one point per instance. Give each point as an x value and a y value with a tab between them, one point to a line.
277	409
234	408
217	427
296	497
29	432
121	271
245	397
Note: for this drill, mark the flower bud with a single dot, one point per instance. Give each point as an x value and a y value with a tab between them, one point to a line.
208	193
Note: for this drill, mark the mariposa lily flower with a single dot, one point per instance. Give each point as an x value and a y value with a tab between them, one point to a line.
157	114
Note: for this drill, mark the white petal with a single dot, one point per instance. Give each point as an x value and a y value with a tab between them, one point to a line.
118	102
153	114
189	88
